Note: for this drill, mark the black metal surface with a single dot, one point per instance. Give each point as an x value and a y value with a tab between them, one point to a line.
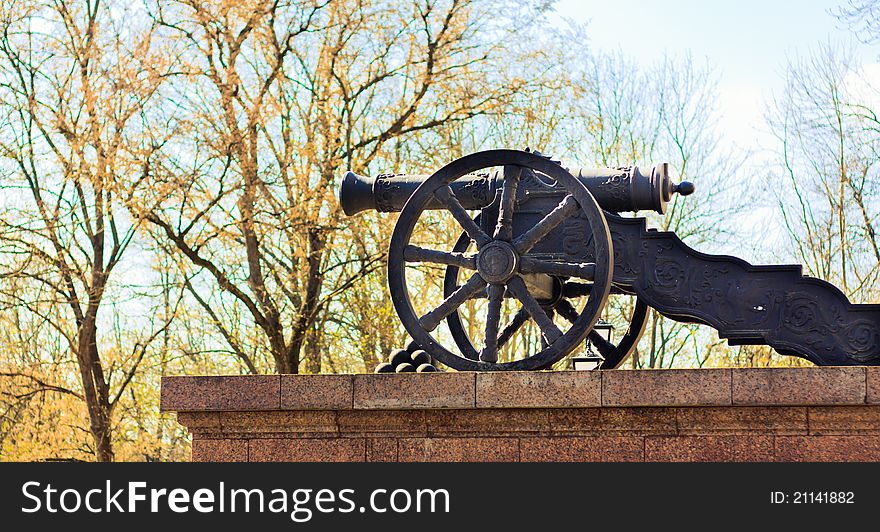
614	354
529	223
498	261
773	305
621	189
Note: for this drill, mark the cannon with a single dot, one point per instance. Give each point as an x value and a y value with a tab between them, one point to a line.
553	242
623	189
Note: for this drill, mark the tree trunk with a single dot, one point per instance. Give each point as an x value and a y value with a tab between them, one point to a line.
95	390
313	348
309	309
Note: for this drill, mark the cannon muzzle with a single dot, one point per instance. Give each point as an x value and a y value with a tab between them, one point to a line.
622	189
356	194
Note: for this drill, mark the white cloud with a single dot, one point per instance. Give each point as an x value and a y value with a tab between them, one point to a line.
863	86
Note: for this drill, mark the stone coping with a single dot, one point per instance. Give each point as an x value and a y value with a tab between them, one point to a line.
551	389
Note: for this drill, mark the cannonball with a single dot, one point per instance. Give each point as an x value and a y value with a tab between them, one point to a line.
426	368
406	367
412	346
384	367
398	357
420	357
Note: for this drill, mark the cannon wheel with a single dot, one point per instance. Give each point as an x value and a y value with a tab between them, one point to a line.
500	260
614	355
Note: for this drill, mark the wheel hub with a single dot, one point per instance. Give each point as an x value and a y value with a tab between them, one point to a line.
497	262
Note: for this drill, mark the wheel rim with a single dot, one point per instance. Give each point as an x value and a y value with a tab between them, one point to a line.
615	355
577	199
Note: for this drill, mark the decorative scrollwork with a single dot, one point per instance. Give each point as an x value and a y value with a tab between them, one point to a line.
669	275
617	186
802	314
386	190
476	189
773	305
862	337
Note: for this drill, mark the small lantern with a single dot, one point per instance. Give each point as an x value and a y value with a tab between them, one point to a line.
591	359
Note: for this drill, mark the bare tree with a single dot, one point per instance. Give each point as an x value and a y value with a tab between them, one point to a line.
74	81
279	98
827	187
863	17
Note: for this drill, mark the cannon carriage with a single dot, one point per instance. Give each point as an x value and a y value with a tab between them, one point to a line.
547	237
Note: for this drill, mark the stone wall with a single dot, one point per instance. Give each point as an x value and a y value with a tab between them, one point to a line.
778	414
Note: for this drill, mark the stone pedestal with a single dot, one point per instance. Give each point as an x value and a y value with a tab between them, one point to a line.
778	414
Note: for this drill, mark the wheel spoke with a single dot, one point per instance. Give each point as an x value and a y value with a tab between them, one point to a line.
417	254
493	317
517	287
584	270
544	342
573	289
605	348
480	294
510	329
432	319
470	227
504	229
527	241
567	311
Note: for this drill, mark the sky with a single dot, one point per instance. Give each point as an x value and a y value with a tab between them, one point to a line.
746	41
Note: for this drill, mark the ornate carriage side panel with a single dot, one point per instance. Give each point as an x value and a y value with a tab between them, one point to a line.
748	304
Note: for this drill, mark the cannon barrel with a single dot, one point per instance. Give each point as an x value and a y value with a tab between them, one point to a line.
623	189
